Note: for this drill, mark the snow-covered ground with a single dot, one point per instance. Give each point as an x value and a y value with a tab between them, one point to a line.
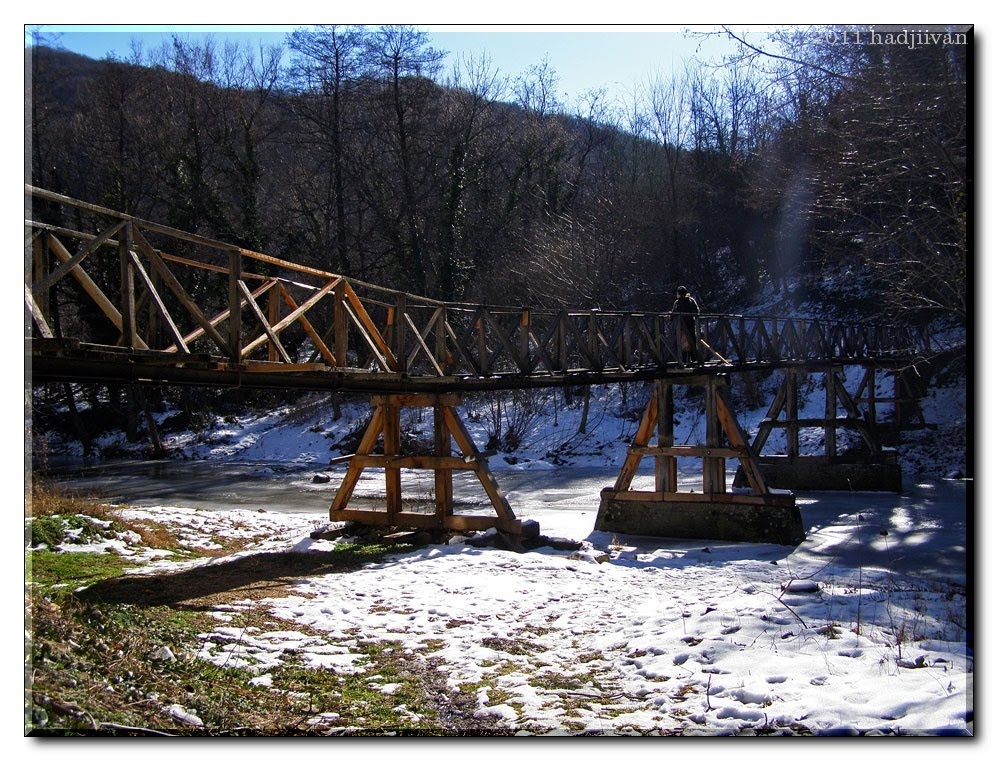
862	629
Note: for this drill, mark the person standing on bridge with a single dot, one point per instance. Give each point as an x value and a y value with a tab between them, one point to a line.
686	309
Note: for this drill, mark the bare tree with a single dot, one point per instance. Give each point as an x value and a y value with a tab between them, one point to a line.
883	128
472	124
325	71
403	66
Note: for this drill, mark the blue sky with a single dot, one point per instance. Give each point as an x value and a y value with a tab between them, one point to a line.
617	57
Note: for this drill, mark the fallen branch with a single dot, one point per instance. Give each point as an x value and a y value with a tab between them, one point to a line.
139	730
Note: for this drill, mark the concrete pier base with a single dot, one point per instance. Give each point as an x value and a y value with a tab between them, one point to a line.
771	518
870	473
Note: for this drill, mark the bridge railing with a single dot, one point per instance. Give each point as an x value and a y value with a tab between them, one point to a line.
101	278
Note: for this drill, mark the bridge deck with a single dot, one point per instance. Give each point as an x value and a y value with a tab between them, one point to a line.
119	299
59	360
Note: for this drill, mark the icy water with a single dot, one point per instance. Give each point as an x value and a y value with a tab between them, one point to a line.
922	531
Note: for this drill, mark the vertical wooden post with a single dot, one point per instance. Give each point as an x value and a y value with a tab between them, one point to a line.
678	326
897	394
273	316
154	331
128	333
793	426
440	340
742	348
40	270
389	331
340	324
399	347
713	466
561	358
592	342
871	397
393	448
666	466
524	337
657	323
627	342
443	478
235	313
483	360
831	407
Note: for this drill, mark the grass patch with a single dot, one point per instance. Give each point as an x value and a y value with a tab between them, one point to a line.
73	569
120	656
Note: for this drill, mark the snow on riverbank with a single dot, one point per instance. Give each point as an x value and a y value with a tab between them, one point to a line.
662	637
862	629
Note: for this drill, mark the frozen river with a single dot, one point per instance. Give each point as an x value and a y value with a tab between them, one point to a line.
920	532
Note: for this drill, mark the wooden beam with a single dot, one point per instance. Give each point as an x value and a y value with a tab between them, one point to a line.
468	448
63	269
739	441
158	301
431	521
178	290
129	334
443	480
90	287
417	399
415	462
666	467
293	316
370	330
36	314
641	439
393	448
831	409
275	342
421	345
258	366
223	315
374	429
236	285
368	339
320	345
713	467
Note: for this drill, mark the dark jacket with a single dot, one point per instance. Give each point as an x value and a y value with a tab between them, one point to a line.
687	306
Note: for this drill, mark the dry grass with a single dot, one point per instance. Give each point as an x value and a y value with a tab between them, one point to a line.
92	668
45	499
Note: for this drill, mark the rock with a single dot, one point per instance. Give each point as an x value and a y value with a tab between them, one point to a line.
320	478
590	556
801	586
184	716
163	654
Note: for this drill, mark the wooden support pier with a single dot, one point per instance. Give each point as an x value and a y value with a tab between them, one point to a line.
757	514
384	432
871	467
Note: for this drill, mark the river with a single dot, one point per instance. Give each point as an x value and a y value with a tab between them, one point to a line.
922	531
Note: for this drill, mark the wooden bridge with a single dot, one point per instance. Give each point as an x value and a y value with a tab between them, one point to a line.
112	298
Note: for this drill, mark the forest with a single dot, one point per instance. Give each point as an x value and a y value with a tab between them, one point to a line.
353	149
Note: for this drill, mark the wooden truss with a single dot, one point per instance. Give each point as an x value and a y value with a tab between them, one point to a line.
384	432
137	296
